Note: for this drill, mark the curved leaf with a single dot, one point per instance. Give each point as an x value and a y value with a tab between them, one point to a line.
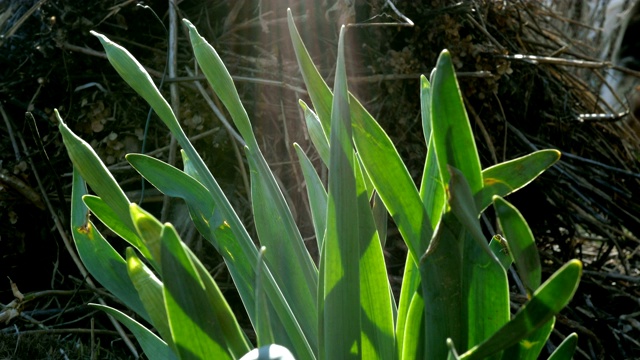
151	344
566	349
173	182
531	346
522	245
548	300
412	330
316	133
150	292
111	220
94	172
316	194
194	329
134	74
98	256
274	223
504	178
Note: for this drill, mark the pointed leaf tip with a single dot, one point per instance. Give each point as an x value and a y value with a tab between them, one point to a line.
103	39
58	117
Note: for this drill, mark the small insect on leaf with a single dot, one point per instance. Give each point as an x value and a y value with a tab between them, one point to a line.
503	243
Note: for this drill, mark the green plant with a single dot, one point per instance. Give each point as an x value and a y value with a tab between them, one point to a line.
455	290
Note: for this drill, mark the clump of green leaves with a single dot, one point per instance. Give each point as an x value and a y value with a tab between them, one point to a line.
454	300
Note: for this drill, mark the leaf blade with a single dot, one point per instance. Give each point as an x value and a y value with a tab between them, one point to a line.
507	177
522	245
341	256
151	344
454	142
99	257
553	295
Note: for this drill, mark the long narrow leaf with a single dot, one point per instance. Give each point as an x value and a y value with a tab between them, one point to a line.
173	182
504	178
150	292
485	286
316	133
316	194
433	198
521	243
317	88
392	181
321	301
409	289
114	222
432	187
235	339
134	74
342	273
195	331
263	324
378	338
240	249
453	138
412	329
441	270
94	172
99	257
394	184
297	277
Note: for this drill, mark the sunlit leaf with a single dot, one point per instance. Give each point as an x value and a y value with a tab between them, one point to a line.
195	331
341	256
504	178
98	256
316	194
548	300
454	142
566	349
